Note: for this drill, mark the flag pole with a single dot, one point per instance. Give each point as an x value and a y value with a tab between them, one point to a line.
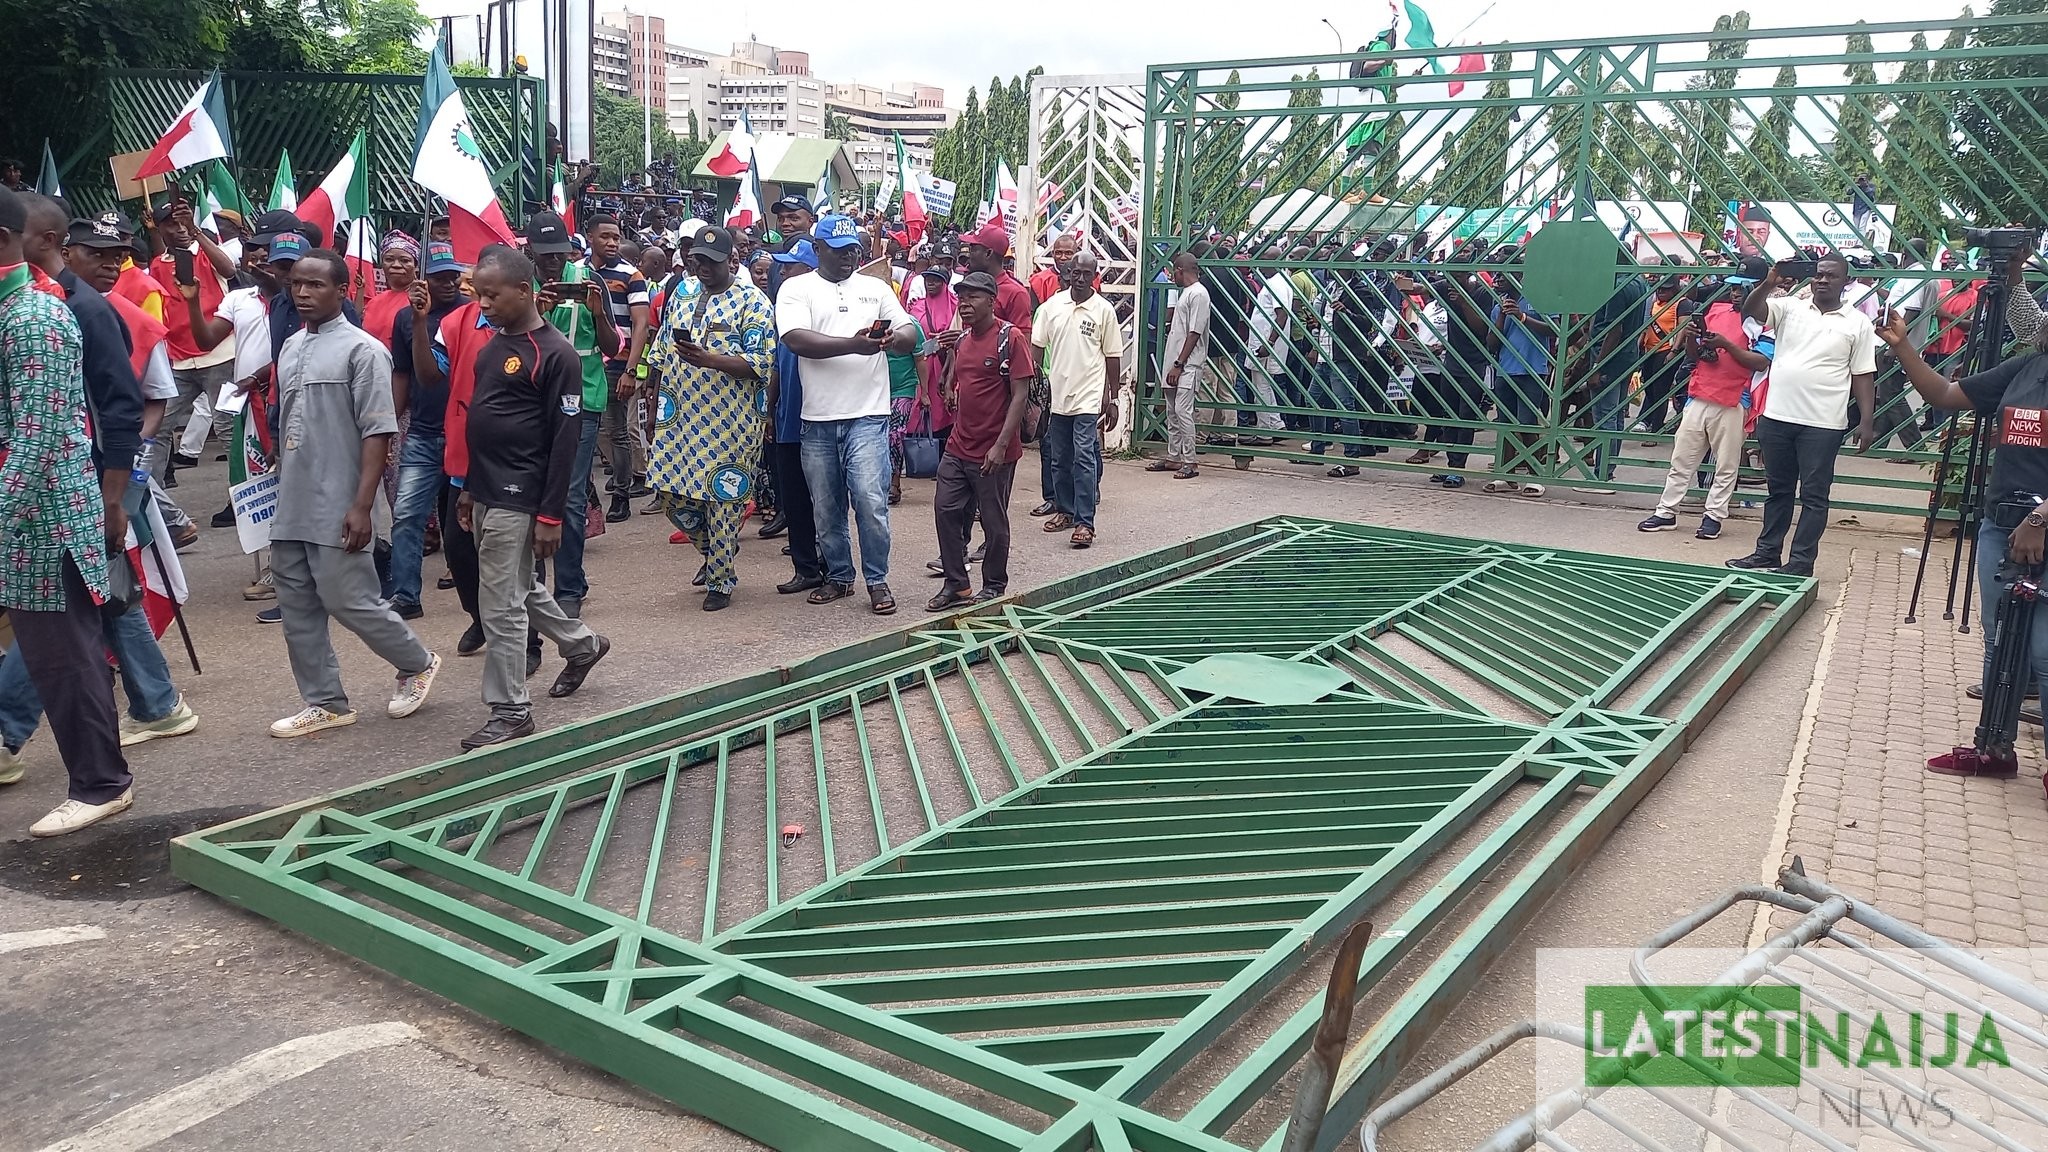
177	612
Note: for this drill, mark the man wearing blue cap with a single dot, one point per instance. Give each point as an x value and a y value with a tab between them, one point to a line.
709	363
786	458
841	324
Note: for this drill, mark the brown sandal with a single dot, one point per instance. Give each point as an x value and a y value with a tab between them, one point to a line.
1059	522
1083	536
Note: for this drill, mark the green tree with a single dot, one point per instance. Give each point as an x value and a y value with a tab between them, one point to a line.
1856	122
1994	142
619	136
1475	168
837	126
1770	168
1916	153
1220	196
997	128
385	38
1304	158
1711	120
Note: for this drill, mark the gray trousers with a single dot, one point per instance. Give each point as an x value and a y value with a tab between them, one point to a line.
1180	414
192	383
317	581
511	600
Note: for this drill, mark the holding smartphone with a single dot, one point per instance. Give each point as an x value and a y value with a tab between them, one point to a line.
877	330
1797	269
181	266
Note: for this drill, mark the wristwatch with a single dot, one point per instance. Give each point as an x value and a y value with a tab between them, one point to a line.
2035	519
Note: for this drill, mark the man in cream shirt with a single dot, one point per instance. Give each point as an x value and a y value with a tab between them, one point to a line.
1826	350
1082	346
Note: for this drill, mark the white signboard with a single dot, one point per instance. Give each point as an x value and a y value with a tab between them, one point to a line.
255	502
938	194
1780	228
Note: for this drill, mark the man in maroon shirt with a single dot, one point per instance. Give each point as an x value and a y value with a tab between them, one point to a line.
988	385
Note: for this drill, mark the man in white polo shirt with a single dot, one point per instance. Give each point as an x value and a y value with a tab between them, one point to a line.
1826	351
841	322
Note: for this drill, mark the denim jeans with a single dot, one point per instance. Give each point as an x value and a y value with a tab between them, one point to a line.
1609	410
1992	542
848	460
570	581
1074	446
145	676
419	486
1333	392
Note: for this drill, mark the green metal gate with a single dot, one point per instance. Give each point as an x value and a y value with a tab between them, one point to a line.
1061	873
1288	177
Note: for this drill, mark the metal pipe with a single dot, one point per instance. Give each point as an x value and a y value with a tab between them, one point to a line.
1312	1096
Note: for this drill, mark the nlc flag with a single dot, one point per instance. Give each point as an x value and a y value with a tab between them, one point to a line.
198	133
345	193
448	163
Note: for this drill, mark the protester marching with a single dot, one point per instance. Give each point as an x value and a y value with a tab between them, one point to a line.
497	387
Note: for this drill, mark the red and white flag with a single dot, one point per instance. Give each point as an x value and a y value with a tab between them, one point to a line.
345	193
361	255
746	203
163	577
913	196
198	133
448	163
737	154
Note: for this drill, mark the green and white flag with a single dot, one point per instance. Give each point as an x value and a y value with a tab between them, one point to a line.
283	194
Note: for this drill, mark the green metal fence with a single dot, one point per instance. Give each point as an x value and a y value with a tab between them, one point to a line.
1058	874
1289	174
312	115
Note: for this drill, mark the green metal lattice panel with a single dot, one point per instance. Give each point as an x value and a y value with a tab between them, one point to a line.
1058	853
1695	145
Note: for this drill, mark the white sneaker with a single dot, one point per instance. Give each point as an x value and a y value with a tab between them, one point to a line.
181	720
11	766
72	815
310	721
412	690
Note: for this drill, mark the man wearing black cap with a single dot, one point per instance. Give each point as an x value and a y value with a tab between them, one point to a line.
987	388
710	360
423	398
584	320
794	219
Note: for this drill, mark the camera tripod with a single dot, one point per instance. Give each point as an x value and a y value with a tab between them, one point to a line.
1984	349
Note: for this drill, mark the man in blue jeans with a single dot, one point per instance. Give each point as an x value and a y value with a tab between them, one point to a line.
1081	347
840	324
155	709
414	335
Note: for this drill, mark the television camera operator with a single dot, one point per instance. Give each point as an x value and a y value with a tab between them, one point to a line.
2010	399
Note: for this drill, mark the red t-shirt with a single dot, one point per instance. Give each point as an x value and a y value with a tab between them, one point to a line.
983	393
1721	380
145	332
141	290
381	310
463	335
1955	307
1013	303
177	318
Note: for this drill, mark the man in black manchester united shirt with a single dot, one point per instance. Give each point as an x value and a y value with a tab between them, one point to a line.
524	421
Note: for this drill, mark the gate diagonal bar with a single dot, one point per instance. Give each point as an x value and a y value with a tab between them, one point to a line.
1070	864
1357	218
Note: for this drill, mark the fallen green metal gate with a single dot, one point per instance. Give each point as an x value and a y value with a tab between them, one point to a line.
1287	174
1026	877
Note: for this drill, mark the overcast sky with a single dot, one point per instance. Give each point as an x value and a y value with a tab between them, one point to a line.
957	45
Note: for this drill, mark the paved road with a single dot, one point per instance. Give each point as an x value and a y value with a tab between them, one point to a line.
180	987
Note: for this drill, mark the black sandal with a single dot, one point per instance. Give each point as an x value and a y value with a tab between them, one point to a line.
828	592
881	600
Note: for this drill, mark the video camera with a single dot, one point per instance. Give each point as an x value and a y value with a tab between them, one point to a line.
2001	242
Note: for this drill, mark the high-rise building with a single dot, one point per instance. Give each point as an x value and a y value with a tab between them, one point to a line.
608	49
917	112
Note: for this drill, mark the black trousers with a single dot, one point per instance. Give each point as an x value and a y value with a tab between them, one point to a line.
793	501
66	655
1799	467
963	490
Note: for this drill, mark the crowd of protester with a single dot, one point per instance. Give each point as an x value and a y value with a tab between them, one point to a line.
498	413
